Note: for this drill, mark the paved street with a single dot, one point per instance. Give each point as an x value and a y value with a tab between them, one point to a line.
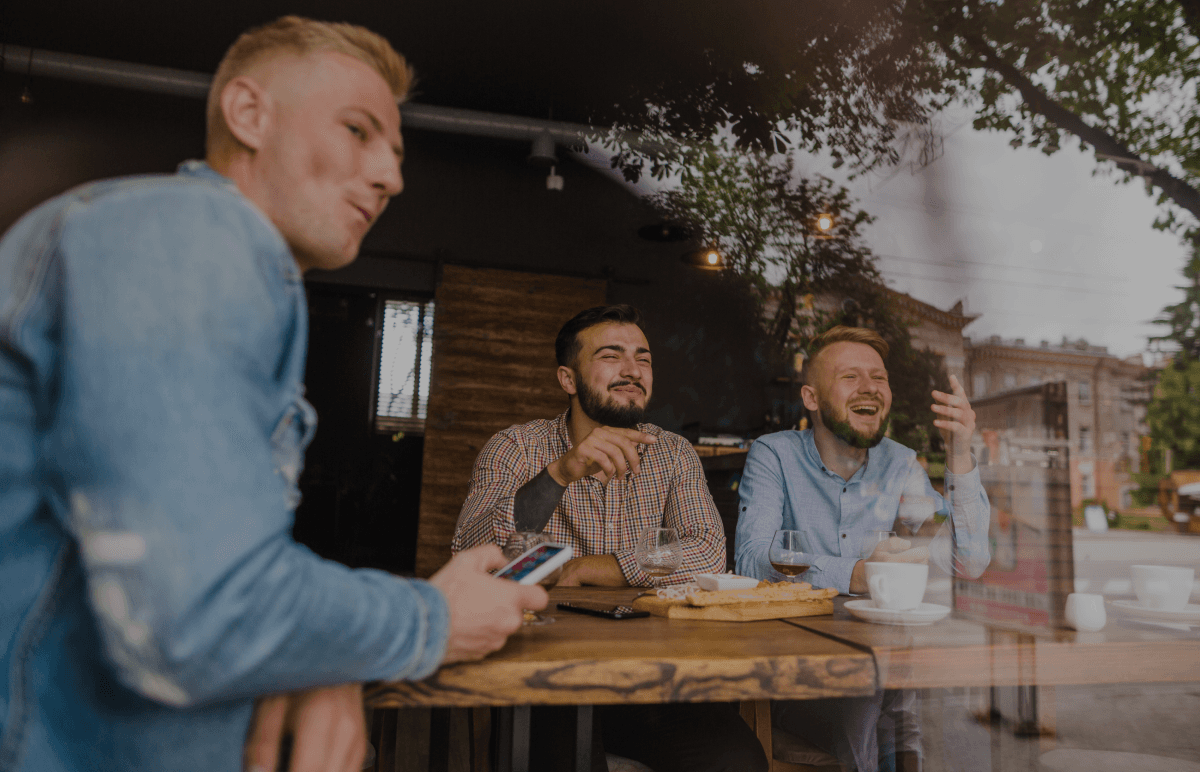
1159	720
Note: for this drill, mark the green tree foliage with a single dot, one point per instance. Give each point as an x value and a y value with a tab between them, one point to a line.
1174	413
754	209
1120	75
1183	318
761	215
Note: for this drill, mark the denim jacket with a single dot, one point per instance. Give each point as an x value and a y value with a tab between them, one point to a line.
152	429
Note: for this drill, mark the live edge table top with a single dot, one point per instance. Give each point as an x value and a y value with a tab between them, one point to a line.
586	660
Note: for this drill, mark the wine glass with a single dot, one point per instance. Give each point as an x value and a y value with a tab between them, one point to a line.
658	553
518	543
871	540
789	554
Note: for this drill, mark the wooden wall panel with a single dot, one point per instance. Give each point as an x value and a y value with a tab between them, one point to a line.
493	366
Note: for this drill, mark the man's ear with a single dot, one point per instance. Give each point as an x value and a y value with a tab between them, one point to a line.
809	396
566	379
248	111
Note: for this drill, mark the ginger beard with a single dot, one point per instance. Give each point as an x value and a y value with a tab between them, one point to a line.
605	409
841	427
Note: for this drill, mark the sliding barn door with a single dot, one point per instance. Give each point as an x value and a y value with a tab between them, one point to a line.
493	366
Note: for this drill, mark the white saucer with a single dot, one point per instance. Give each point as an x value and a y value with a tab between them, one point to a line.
1189	613
925	614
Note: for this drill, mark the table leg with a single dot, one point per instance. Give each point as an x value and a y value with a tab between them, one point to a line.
439	740
520	738
583	738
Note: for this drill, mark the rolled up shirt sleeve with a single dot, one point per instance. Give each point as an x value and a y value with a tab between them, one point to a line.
487	513
166	444
691	512
961	547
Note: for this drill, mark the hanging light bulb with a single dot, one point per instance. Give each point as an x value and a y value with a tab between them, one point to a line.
709	257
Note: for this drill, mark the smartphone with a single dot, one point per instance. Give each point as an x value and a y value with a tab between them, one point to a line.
602	610
536	563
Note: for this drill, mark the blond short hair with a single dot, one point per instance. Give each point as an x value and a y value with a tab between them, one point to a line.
844	334
298	36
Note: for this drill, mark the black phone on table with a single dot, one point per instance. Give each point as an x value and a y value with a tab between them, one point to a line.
605	610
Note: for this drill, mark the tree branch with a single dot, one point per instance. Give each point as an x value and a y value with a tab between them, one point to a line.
1179	191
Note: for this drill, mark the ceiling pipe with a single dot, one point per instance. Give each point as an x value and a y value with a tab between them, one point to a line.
166	80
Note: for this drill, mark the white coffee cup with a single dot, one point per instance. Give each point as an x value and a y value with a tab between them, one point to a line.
1163	587
1085	611
897	586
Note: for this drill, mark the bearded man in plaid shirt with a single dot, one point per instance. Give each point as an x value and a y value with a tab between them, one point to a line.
596	477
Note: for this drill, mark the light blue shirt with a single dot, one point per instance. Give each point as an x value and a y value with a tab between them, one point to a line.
153	333
785	485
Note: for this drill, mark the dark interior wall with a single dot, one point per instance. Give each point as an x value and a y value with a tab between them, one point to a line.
476	201
467	200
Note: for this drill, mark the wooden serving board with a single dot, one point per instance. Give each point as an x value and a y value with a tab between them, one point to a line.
735	612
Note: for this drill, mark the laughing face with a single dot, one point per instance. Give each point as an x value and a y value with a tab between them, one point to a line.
849	393
613	377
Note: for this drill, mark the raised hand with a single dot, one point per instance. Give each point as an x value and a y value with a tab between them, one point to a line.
606	452
956	424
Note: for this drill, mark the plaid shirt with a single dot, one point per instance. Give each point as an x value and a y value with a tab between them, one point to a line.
669	491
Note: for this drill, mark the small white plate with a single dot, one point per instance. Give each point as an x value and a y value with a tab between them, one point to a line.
925	614
1188	614
725	582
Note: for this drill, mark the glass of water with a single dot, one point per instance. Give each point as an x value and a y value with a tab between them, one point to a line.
658	553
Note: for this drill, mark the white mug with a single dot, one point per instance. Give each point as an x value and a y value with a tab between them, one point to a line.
1163	587
897	586
1085	611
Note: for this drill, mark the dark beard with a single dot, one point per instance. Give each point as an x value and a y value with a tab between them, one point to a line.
607	412
848	434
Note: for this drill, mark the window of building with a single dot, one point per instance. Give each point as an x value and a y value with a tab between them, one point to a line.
1089	486
979	384
1085	441
404	361
1085	391
1010	380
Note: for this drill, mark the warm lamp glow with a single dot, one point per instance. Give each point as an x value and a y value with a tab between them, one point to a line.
824	222
713	258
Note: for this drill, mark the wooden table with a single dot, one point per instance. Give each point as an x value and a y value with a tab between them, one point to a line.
584	660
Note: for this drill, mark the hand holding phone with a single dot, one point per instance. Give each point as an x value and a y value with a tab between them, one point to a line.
536	563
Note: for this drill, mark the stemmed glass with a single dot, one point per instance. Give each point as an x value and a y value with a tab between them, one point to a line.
658	553
789	554
518	543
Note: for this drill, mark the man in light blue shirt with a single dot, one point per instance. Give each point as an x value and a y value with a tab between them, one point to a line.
837	483
152	429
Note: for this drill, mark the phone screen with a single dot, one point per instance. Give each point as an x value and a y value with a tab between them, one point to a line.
527	564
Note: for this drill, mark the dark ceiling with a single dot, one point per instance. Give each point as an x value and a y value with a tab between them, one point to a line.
527	58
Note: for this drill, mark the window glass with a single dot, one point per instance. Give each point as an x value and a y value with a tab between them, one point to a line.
404	364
